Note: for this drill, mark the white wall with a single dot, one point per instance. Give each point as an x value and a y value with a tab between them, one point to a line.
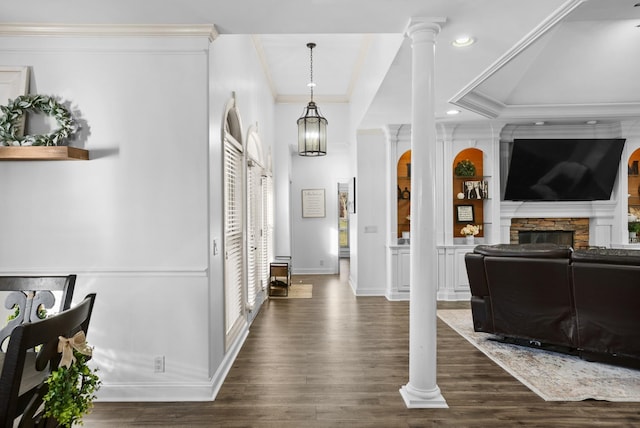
315	240
382	51
134	221
371	206
234	69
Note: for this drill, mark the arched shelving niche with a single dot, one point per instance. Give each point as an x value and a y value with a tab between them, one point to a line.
633	182
470	190
404	192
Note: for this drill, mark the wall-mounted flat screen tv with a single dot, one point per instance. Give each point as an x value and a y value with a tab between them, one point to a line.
563	169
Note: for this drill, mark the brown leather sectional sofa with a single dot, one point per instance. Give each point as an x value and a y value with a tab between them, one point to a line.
583	302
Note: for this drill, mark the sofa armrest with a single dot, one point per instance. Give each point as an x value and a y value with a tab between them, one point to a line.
476	274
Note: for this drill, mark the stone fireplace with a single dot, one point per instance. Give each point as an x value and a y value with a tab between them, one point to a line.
592	222
577	227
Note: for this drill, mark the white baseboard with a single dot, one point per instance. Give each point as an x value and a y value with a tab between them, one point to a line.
165	392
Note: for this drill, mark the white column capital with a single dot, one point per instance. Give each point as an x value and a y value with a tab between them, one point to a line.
430	24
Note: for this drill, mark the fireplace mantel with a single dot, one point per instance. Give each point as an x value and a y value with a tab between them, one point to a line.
511	209
600	214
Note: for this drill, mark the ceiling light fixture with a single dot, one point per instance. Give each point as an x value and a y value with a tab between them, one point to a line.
463	41
539	123
453	112
591	122
312	127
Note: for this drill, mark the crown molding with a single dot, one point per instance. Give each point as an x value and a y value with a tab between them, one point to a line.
105	30
616	111
262	57
482	104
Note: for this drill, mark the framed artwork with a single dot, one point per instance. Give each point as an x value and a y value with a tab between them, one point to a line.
475	189
464	213
14	81
313	204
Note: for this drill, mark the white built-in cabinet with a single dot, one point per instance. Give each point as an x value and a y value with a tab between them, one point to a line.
398	284
451	249
608	219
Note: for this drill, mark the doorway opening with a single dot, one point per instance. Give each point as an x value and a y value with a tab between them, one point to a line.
343	220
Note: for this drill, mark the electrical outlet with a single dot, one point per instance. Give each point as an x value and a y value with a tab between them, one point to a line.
158	364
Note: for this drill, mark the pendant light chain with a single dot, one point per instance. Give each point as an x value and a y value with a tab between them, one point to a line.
311	85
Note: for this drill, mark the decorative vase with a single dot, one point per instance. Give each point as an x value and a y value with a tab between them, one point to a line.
469	239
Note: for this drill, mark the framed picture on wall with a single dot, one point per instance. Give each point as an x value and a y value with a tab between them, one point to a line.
313	203
464	213
14	81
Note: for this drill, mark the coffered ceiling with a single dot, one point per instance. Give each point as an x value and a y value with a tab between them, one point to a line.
544	59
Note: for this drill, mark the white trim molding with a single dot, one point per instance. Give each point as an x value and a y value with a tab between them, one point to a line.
102	30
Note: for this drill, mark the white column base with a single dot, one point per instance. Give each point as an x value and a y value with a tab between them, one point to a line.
416	399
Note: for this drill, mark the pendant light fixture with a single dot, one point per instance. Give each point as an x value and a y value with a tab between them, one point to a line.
312	127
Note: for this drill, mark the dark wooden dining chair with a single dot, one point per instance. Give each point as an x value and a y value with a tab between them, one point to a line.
24	371
31	294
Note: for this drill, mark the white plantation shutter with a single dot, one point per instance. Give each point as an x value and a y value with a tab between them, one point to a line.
254	192
233	242
267	228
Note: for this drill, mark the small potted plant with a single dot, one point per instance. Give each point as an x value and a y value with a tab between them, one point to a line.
469	231
634	228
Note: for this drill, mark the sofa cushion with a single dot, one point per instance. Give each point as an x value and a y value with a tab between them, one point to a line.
607	308
531	298
552	251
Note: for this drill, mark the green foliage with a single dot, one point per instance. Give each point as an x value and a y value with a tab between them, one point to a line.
71	392
465	168
42	313
14	315
16	110
634	226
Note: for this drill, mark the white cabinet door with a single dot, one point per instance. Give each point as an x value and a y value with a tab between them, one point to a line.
404	270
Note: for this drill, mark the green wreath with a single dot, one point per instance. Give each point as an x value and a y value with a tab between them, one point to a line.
465	168
15	111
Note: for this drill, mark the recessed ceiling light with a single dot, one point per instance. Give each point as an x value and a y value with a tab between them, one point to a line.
463	41
591	122
453	112
539	123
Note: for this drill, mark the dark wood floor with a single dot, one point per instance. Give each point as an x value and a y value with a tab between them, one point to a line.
338	361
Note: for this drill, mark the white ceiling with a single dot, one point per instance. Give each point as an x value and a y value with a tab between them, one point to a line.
524	64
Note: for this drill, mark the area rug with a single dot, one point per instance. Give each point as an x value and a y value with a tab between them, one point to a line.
553	376
297	291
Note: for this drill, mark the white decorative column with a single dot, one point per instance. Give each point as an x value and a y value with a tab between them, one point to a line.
422	390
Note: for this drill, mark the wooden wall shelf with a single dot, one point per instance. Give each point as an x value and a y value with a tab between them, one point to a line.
17	153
